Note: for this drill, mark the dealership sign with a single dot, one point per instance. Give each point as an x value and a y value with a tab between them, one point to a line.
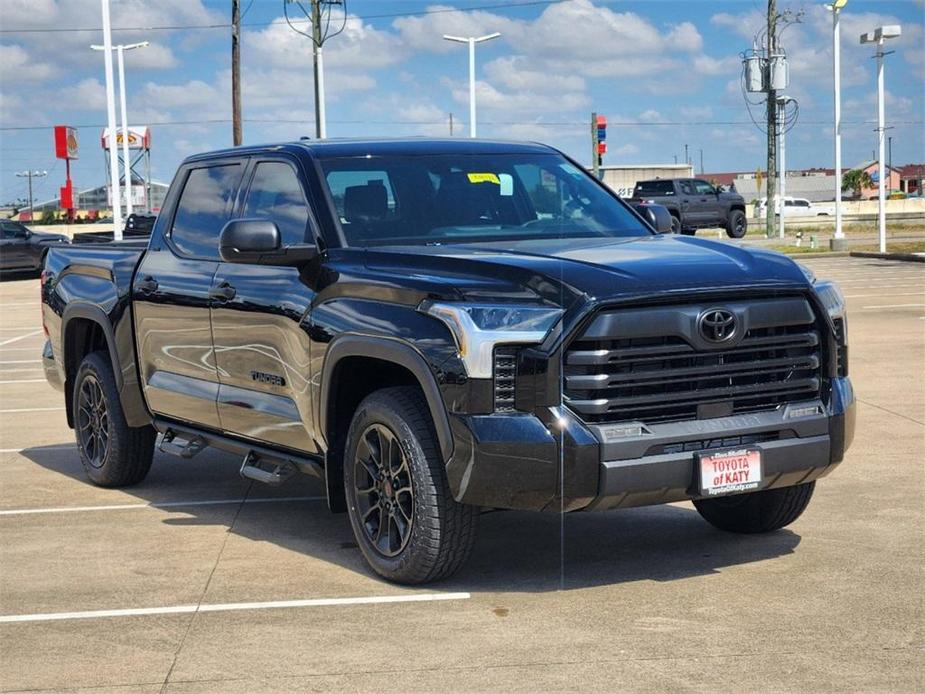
65	142
138	138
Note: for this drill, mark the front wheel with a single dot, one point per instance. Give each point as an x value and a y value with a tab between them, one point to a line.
757	512
404	517
736	225
675	225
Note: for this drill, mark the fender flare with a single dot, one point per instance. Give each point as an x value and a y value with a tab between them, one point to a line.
396	352
96	315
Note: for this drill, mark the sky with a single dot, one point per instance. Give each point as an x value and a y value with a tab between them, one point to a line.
665	74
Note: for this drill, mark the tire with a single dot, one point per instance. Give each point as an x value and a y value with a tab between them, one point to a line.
438	532
736	224
675	225
112	453
757	512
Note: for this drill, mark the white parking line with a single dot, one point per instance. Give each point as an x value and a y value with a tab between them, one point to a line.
165	504
26	380
44	448
893	306
864	296
21	337
32	409
229	606
21	361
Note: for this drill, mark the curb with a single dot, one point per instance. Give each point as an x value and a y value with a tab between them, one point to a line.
907	257
823	254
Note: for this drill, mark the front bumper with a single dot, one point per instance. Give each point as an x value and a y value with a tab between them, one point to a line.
555	461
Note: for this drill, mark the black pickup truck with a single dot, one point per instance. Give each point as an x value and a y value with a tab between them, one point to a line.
695	204
437	327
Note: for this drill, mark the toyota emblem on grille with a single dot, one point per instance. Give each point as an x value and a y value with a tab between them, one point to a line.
717	325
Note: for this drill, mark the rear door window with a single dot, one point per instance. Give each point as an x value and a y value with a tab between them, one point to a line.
655	188
205	205
276	194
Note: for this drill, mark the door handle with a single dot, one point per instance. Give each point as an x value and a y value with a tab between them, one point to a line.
147	285
223	292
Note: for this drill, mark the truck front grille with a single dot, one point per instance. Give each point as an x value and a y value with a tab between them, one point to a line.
637	374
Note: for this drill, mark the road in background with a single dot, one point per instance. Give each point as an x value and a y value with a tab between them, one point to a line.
197	580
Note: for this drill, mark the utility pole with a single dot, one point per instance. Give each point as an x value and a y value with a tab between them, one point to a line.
772	121
687	159
30	175
236	72
451	125
321	126
889	166
595	160
701	161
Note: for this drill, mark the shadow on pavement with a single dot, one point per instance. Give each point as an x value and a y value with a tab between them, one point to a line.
515	551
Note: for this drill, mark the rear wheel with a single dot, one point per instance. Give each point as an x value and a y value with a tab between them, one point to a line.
757	512
675	225
736	225
406	522
113	454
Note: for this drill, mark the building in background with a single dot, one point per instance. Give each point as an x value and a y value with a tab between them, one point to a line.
92	203
912	179
623	179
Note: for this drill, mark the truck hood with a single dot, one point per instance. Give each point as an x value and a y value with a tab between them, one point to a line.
564	271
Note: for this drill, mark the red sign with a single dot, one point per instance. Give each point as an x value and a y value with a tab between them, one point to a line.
602	148
65	142
602	121
67	196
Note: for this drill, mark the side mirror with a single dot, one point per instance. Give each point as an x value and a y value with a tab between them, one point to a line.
257	242
658	216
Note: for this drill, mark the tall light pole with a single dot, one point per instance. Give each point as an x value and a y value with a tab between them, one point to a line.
111	124
838	243
878	36
782	102
472	40
30	175
126	161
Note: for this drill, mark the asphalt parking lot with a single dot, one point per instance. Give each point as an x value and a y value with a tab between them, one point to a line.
197	580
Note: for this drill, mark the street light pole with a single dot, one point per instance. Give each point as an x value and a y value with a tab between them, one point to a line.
113	143
472	40
878	37
30	175
111	124
835	8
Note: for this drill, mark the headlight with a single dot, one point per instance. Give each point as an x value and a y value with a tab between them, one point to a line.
831	297
477	328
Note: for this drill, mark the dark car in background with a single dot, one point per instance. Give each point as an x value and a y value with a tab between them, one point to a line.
695	204
24	249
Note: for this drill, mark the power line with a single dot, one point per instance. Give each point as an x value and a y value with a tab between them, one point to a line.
224	25
574	123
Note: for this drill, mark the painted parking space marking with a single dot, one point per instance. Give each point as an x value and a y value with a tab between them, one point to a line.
32	409
20	361
234	606
57	447
891	306
20	337
157	505
24	380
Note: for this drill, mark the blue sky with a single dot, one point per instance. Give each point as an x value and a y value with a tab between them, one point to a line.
665	73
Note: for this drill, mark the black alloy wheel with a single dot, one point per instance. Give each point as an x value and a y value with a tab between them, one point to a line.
383	491
93	421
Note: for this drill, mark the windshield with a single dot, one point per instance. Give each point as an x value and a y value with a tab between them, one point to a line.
460	198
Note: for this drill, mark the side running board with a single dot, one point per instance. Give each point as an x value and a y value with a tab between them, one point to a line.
270	472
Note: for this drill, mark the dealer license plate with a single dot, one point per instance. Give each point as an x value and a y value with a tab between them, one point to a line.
730	472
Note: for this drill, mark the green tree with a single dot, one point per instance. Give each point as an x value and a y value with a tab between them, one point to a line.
856	180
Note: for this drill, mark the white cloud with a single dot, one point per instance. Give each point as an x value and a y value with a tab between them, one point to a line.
17	66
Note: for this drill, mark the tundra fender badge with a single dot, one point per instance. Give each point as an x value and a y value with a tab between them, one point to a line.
269	379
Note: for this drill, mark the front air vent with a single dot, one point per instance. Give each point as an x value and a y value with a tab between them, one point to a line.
505	374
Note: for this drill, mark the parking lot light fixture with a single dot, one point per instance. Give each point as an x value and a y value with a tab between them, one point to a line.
878	37
472	40
835	8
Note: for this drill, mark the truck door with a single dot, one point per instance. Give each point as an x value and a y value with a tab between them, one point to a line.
261	348
171	294
708	205
691	214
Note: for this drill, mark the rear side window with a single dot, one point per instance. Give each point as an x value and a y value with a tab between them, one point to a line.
277	195
205	205
654	188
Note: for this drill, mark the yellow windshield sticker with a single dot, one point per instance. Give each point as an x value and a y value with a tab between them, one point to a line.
484	178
